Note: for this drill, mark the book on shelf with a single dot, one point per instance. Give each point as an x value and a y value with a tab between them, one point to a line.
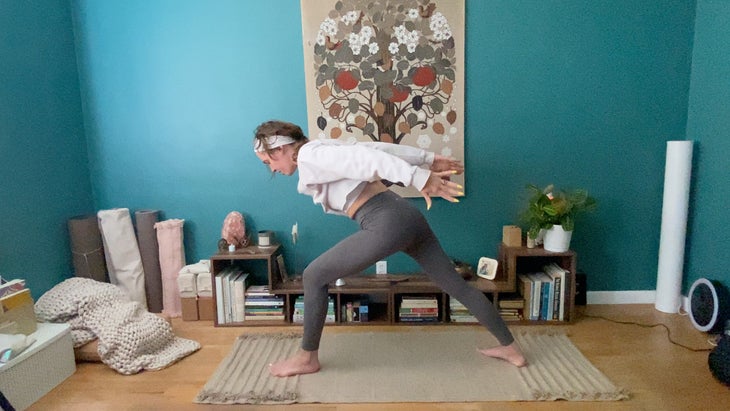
416	316
298	313
258	290
535	295
418	319
230	298
512	302
224	298
219	298
239	285
268	302
263	310
415	308
525	289
364	312
512	317
408	301
558	275
546	302
418	310
269	317
465	319
544	293
260	304
458	313
542	307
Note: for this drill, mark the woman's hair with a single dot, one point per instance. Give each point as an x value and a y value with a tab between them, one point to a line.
278	128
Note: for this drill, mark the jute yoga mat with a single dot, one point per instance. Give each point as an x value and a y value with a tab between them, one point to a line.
413	366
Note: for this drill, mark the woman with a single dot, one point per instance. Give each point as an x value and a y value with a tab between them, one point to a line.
348	179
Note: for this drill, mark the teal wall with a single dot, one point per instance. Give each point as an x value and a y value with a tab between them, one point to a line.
578	93
44	173
708	124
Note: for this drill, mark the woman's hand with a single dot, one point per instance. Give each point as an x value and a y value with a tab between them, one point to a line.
442	163
438	184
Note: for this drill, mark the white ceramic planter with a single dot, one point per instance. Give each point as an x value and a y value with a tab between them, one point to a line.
557	240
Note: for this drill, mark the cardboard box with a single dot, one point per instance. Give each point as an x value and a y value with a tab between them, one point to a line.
189	308
206	309
512	236
40	368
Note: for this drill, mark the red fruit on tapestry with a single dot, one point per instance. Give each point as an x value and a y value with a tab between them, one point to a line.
424	76
400	93
346	80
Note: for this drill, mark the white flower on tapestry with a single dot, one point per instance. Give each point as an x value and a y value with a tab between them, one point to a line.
446	152
445	138
385	68
350	17
424	141
440	27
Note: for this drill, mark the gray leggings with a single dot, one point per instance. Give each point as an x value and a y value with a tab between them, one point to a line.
389	224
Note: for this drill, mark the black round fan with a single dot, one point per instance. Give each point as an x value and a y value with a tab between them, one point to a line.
708	305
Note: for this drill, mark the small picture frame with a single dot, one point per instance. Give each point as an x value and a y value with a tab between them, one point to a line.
282	268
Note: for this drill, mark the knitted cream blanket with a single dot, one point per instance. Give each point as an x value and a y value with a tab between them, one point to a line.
130	338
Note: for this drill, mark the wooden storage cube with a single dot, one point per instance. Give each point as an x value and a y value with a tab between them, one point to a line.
206	308
189	307
259	263
523	260
375	304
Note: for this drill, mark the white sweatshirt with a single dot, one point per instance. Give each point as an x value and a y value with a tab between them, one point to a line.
334	172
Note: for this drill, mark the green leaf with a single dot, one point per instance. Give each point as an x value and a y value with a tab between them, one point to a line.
353	105
436	105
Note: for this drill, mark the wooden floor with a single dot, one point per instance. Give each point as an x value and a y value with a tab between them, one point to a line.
658	374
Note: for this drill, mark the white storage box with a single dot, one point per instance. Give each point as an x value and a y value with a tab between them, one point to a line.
40	368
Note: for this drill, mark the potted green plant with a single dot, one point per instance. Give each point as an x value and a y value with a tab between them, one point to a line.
555	211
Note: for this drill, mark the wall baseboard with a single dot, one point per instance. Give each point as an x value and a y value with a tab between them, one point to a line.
621	297
627	297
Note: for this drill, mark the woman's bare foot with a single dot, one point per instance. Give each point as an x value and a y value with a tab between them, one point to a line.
510	353
303	362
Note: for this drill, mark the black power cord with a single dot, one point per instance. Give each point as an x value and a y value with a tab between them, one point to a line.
669	333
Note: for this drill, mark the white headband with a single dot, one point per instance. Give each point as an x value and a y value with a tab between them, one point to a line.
272	142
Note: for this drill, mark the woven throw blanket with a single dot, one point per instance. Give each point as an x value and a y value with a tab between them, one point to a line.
131	339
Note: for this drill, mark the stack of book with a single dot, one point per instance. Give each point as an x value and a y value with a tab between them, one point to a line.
17	314
418	309
458	313
511	309
260	304
544	293
298	315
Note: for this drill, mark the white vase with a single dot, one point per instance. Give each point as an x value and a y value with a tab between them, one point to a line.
557	240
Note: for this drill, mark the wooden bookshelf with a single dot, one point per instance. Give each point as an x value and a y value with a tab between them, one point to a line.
384	296
259	262
522	260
